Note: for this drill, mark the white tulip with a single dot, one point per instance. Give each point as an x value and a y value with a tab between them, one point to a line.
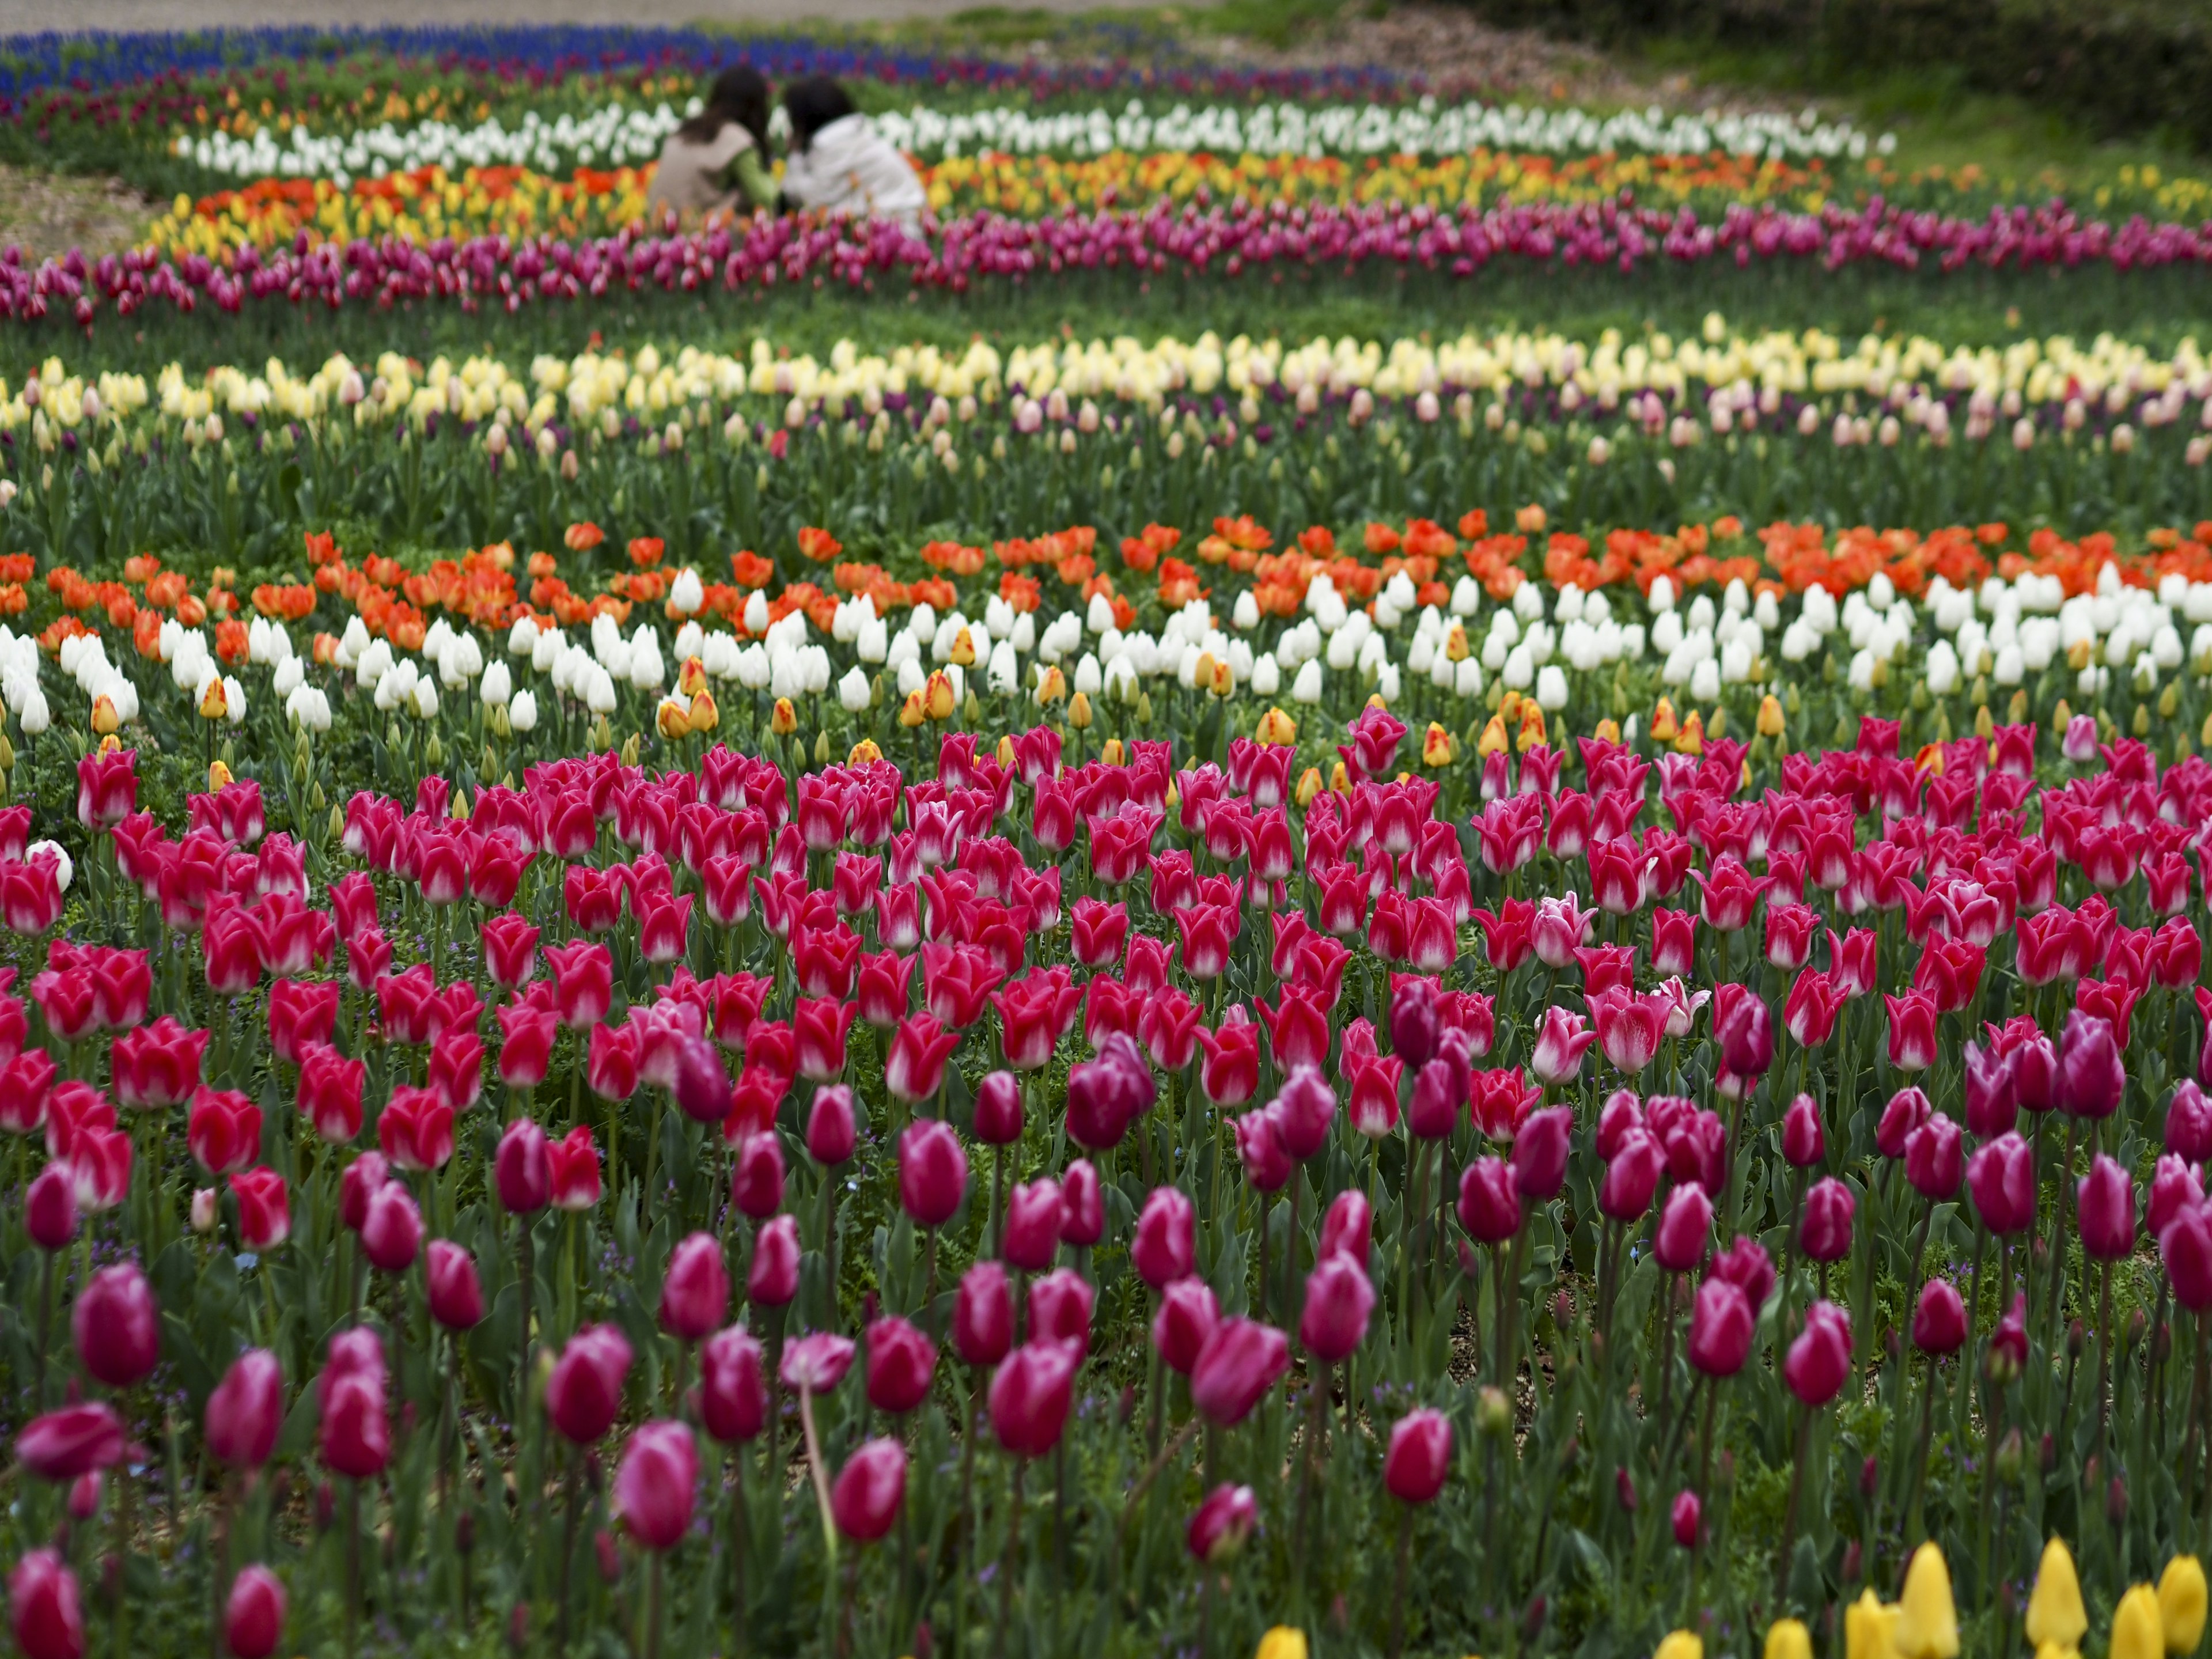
855	690
522	713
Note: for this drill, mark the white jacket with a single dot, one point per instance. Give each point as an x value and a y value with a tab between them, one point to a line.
850	168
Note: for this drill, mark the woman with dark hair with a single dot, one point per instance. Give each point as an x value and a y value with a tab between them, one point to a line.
717	161
839	163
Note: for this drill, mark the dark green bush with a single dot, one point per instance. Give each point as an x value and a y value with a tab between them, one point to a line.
2133	66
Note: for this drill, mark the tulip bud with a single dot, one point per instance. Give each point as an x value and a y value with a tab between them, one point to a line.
1493	1412
1686	1516
1223	1524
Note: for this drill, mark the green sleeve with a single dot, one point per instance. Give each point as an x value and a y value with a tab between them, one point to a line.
754	181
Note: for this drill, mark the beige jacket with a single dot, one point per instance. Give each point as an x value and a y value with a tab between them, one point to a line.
689	176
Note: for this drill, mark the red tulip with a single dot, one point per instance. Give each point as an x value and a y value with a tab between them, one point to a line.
1185	1322
983	1315
1932	1161
2185	1248
1804	1140
246	1411
1339	1301
253	1616
415	1129
223	1131
573	1163
1911	1031
1808	1012
1631	1176
456	1292
1908	1109
655	1484
1939	1320
583	1394
117	1326
299	1013
2001	1176
1685	1518
831	1133
1562	1038
583	982
2105	1202
391	1231
1034	1013
522	1172
42	1599
50	1209
354	1433
77	1440
757	1175
914	1068
1348	1226
1722	1322
329	1093
1419	1457
773	1279
265	1209
526	1048
156	1064
1030	1396
1686	1228
998	1109
932	1172
1222	1525
1165	1245
1060	1310
1230	1071
901	1363
865	1499
1824	1235
1489	1204
1820	1359
1239	1364
1034	1214
732	1388
1084	1224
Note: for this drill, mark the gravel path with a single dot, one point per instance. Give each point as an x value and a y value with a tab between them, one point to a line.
33	17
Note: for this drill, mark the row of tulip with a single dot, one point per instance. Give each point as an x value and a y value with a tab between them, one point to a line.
472	199
1717	366
617	135
1627	1229
1243	239
720	473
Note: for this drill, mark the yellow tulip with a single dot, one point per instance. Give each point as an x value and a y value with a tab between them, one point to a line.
1662	722
913	711
1282	1643
218	776
865	753
1532	727
1052	686
936	695
214	705
1679	1644
2054	1613
2181	1604
1606	731
1277	728
1309	785
104	719
1770	716
1006	753
693	678
674	722
1340	781
1111	752
2138	1632
963	649
1078	712
1867	1627
1927	1622
1456	647
1493	740
1788	1639
706	713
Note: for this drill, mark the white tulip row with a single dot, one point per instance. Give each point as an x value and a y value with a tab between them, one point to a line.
616	135
2008	631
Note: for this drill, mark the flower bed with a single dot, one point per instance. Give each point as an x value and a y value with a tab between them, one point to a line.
737	1283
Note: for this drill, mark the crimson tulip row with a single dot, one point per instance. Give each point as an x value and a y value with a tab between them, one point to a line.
1485	1177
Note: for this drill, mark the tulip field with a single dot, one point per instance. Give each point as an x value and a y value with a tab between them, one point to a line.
814	938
